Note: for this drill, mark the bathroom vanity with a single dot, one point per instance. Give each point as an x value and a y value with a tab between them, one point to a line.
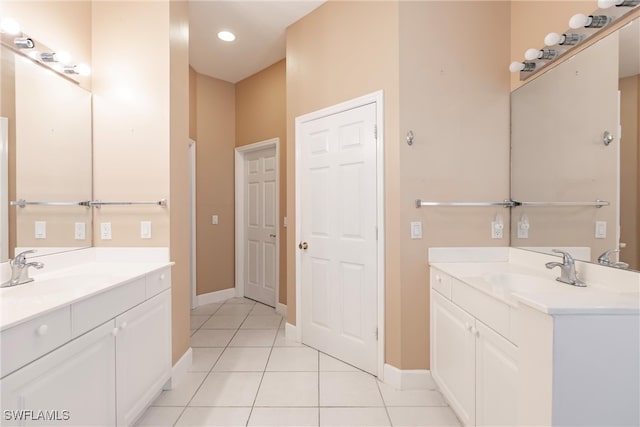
88	342
512	346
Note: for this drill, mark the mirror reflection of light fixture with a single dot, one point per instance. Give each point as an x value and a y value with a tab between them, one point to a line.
544	54
606	4
581	20
48	57
23	43
80	69
570	39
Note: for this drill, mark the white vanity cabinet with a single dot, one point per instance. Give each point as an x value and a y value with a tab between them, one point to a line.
107	374
474	366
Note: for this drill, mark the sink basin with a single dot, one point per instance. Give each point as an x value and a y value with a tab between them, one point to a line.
517	282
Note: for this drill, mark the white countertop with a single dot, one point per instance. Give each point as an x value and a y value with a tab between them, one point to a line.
608	291
68	283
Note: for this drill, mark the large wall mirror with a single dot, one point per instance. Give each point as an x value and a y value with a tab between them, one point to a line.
47	135
562	163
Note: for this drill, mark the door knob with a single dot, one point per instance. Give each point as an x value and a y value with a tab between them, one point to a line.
303	246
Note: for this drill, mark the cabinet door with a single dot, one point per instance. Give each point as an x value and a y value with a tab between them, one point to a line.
496	379
453	356
143	355
71	386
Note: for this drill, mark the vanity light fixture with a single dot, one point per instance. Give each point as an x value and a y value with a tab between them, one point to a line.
581	20
226	36
80	69
570	39
606	4
9	26
522	66
544	54
23	43
48	57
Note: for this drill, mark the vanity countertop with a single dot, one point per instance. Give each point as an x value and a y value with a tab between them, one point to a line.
64	286
514	279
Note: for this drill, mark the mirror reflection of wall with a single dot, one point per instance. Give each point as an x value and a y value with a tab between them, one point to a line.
558	119
49	120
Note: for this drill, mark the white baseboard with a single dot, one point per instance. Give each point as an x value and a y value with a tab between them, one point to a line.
281	309
291	332
180	369
217	296
408	379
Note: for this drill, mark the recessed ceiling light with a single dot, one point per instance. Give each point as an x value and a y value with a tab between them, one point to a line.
226	36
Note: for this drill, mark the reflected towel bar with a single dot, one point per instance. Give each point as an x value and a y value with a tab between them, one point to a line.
88	203
504	203
513	203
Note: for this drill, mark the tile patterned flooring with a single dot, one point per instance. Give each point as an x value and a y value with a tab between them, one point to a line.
246	373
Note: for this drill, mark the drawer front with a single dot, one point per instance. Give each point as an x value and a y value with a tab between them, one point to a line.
158	281
441	282
492	312
28	341
96	310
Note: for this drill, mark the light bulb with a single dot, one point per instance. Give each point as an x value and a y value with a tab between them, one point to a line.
83	69
226	36
606	4
552	39
578	21
63	57
516	66
532	54
10	26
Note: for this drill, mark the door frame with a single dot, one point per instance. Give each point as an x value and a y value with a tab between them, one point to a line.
192	222
376	98
240	154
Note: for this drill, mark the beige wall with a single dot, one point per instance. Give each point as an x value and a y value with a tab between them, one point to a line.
629	170
261	115
335	54
215	143
454	95
179	208
140	120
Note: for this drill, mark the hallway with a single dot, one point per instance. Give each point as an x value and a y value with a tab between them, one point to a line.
246	373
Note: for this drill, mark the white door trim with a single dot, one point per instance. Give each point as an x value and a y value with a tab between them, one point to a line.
192	225
377	98
240	153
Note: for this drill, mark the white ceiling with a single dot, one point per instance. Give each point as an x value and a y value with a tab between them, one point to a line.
259	27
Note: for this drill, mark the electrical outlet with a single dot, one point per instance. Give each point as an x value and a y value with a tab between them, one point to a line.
601	230
416	230
145	229
105	230
497	229
523	228
80	231
214	219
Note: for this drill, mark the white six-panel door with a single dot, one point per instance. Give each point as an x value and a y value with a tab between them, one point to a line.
261	225
338	229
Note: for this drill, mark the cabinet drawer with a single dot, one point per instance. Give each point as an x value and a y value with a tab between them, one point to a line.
441	282
28	341
158	281
492	312
96	310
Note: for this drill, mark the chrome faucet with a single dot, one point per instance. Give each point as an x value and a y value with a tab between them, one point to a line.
604	259
20	270
567	269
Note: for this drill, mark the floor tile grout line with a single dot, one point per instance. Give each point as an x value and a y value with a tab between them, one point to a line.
384	402
262	378
319	420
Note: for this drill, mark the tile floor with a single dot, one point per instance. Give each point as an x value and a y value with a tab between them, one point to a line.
246	373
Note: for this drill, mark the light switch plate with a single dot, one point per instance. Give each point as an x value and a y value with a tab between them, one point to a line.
41	229
601	230
105	230
80	231
214	219
145	229
416	230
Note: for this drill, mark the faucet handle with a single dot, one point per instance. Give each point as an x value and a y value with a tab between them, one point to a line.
566	256
604	257
22	257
